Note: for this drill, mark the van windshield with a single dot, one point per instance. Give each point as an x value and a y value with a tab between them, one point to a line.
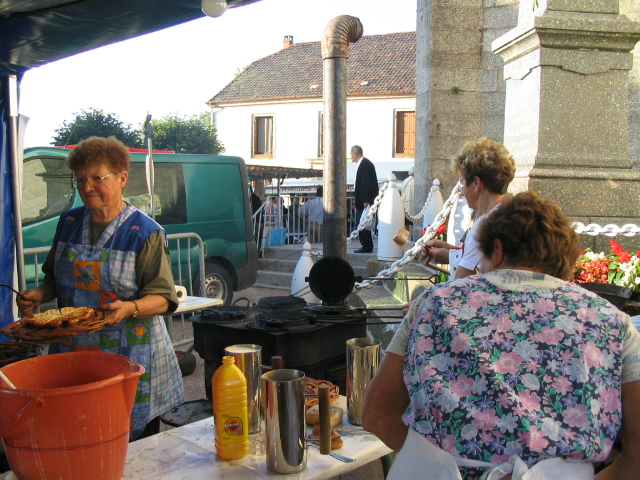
47	190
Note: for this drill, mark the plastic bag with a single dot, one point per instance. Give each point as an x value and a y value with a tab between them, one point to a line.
367	223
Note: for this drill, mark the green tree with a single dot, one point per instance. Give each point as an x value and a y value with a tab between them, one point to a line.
194	134
94	122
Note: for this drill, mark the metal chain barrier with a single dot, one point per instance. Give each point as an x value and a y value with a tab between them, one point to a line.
363	221
609	230
593	229
417	247
424	208
370	215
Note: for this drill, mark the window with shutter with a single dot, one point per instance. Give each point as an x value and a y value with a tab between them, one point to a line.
263	137
405	134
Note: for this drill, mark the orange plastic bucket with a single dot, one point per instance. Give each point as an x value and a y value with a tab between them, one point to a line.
69	417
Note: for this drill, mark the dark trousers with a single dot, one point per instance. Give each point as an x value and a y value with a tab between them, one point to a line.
365	235
152	428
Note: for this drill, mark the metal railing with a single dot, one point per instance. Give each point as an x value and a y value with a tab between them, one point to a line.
181	249
284	212
185	276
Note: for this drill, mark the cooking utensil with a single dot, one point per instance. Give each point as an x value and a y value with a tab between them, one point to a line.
363	359
356	431
14	291
331	279
337	456
283	407
7	381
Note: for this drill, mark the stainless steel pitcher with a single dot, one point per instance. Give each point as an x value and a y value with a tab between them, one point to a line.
363	359
248	358
283	402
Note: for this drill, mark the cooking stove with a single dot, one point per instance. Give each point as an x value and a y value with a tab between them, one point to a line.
311	338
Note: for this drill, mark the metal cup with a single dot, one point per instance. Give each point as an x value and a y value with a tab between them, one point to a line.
283	402
248	358
363	359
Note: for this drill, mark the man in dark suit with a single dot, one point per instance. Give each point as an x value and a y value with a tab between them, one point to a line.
366	192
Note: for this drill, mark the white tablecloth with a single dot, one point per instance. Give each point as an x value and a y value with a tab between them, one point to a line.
189	453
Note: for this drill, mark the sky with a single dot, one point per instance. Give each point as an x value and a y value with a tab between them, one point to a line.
177	70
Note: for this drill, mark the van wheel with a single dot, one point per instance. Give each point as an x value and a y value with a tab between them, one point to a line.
187	363
218	283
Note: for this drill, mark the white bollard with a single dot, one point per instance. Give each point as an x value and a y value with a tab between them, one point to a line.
435	206
390	220
298	282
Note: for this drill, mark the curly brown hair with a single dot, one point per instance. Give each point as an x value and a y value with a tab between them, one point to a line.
534	233
488	160
95	150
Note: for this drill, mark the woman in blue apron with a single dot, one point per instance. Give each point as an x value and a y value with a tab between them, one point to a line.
513	373
110	255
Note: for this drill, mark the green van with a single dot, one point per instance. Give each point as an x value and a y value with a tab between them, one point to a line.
203	194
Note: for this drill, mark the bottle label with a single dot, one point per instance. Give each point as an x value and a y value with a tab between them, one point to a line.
230	424
233	426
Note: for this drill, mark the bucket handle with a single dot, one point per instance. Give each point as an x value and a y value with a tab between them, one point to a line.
21	414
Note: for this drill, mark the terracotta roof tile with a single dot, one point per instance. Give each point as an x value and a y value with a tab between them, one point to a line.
377	65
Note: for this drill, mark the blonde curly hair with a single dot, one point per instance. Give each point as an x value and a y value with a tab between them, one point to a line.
488	160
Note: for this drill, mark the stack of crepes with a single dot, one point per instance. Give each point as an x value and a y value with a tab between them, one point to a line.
312	410
57	324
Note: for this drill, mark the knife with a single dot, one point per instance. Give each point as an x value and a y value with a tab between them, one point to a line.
335	455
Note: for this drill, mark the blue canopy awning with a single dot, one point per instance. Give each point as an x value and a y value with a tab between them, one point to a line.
36	32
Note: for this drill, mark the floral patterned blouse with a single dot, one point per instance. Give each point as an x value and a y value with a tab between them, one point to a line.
494	372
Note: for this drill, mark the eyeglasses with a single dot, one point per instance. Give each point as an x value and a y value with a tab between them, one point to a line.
94	181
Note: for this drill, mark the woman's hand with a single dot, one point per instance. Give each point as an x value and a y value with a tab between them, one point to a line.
120	310
32	300
406	307
146	307
436	250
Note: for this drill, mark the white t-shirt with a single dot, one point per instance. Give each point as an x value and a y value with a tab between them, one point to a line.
472	254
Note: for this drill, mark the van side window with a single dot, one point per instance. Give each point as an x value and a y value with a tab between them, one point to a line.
47	189
170	200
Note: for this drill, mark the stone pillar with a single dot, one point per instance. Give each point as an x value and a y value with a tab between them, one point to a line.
460	92
631	9
449	97
500	16
567	106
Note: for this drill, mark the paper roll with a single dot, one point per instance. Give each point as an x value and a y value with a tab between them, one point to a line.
181	292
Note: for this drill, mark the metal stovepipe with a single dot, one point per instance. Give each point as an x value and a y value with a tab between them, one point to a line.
335	42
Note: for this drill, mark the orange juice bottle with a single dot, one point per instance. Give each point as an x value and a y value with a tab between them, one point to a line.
229	388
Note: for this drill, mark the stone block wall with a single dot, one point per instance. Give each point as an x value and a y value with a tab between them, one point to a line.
449	97
461	95
631	8
500	16
460	88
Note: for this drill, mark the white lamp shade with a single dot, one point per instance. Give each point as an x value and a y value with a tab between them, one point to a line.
214	8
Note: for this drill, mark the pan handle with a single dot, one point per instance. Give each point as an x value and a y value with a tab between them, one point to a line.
21	414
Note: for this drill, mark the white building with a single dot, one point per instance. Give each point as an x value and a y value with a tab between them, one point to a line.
271	113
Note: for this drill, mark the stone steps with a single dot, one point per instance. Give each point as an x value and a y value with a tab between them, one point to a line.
276	267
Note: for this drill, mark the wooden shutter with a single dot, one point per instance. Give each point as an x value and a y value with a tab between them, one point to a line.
405	133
